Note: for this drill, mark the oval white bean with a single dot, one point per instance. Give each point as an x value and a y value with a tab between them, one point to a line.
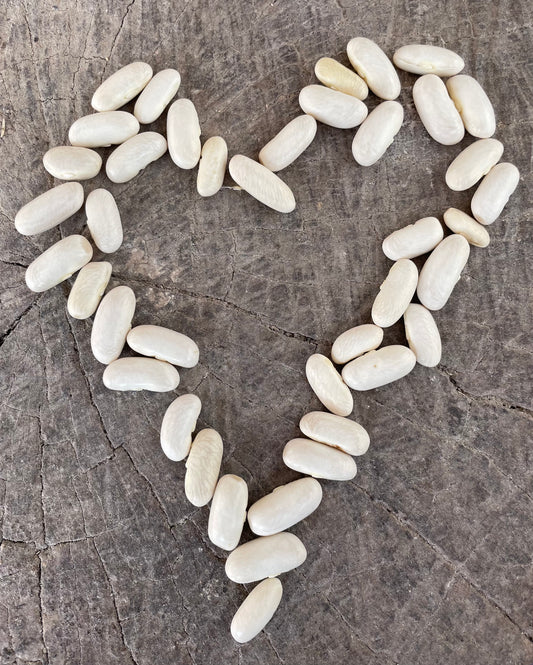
289	143
331	73
58	263
377	133
203	466
212	168
266	556
122	86
154	99
256	610
473	163
374	67
141	374
473	105
262	184
103	220
347	435
100	130
318	460
442	270
395	293
494	191
49	209
179	422
377	368
183	134
332	107
66	162
88	288
414	239
461	223
427	59
437	111
228	512
356	341
132	156
112	322
285	506
164	344
422	335
328	385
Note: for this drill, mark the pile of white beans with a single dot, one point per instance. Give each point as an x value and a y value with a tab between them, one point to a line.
330	439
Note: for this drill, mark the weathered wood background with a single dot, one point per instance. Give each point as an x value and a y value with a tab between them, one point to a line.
426	557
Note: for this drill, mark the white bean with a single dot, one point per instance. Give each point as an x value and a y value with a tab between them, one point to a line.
461	223
328	385
356	341
228	512
473	104
414	239
203	466
494	191
395	293
112	322
289	143
183	134
88	288
437	111
164	344
179	422
427	59
285	506
49	209
122	86
212	168
256	610
262	184
132	156
318	460
331	73
67	162
441	271
58	263
347	435
377	368
374	67
332	107
377	133
154	99
266	556
472	163
141	374
422	335
100	130
103	220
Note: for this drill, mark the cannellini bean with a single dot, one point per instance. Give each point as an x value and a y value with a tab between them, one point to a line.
100	130
427	59
356	341
154	99
103	220
256	610
67	162
88	288
331	73
49	209
332	107
473	104
164	344
228	512
266	556
347	435
179	422
121	86
285	506
437	111
377	133
183	134
395	293
461	223
289	143
473	163
58	263
112	322
318	460
203	466
141	374
494	191
377	368
441	271
132	156
374	67
214	158
262	184
413	240
422	335
328	385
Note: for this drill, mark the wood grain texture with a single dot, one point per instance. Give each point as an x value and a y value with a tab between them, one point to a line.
425	557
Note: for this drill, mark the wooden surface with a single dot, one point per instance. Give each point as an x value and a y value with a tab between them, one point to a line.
425	557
